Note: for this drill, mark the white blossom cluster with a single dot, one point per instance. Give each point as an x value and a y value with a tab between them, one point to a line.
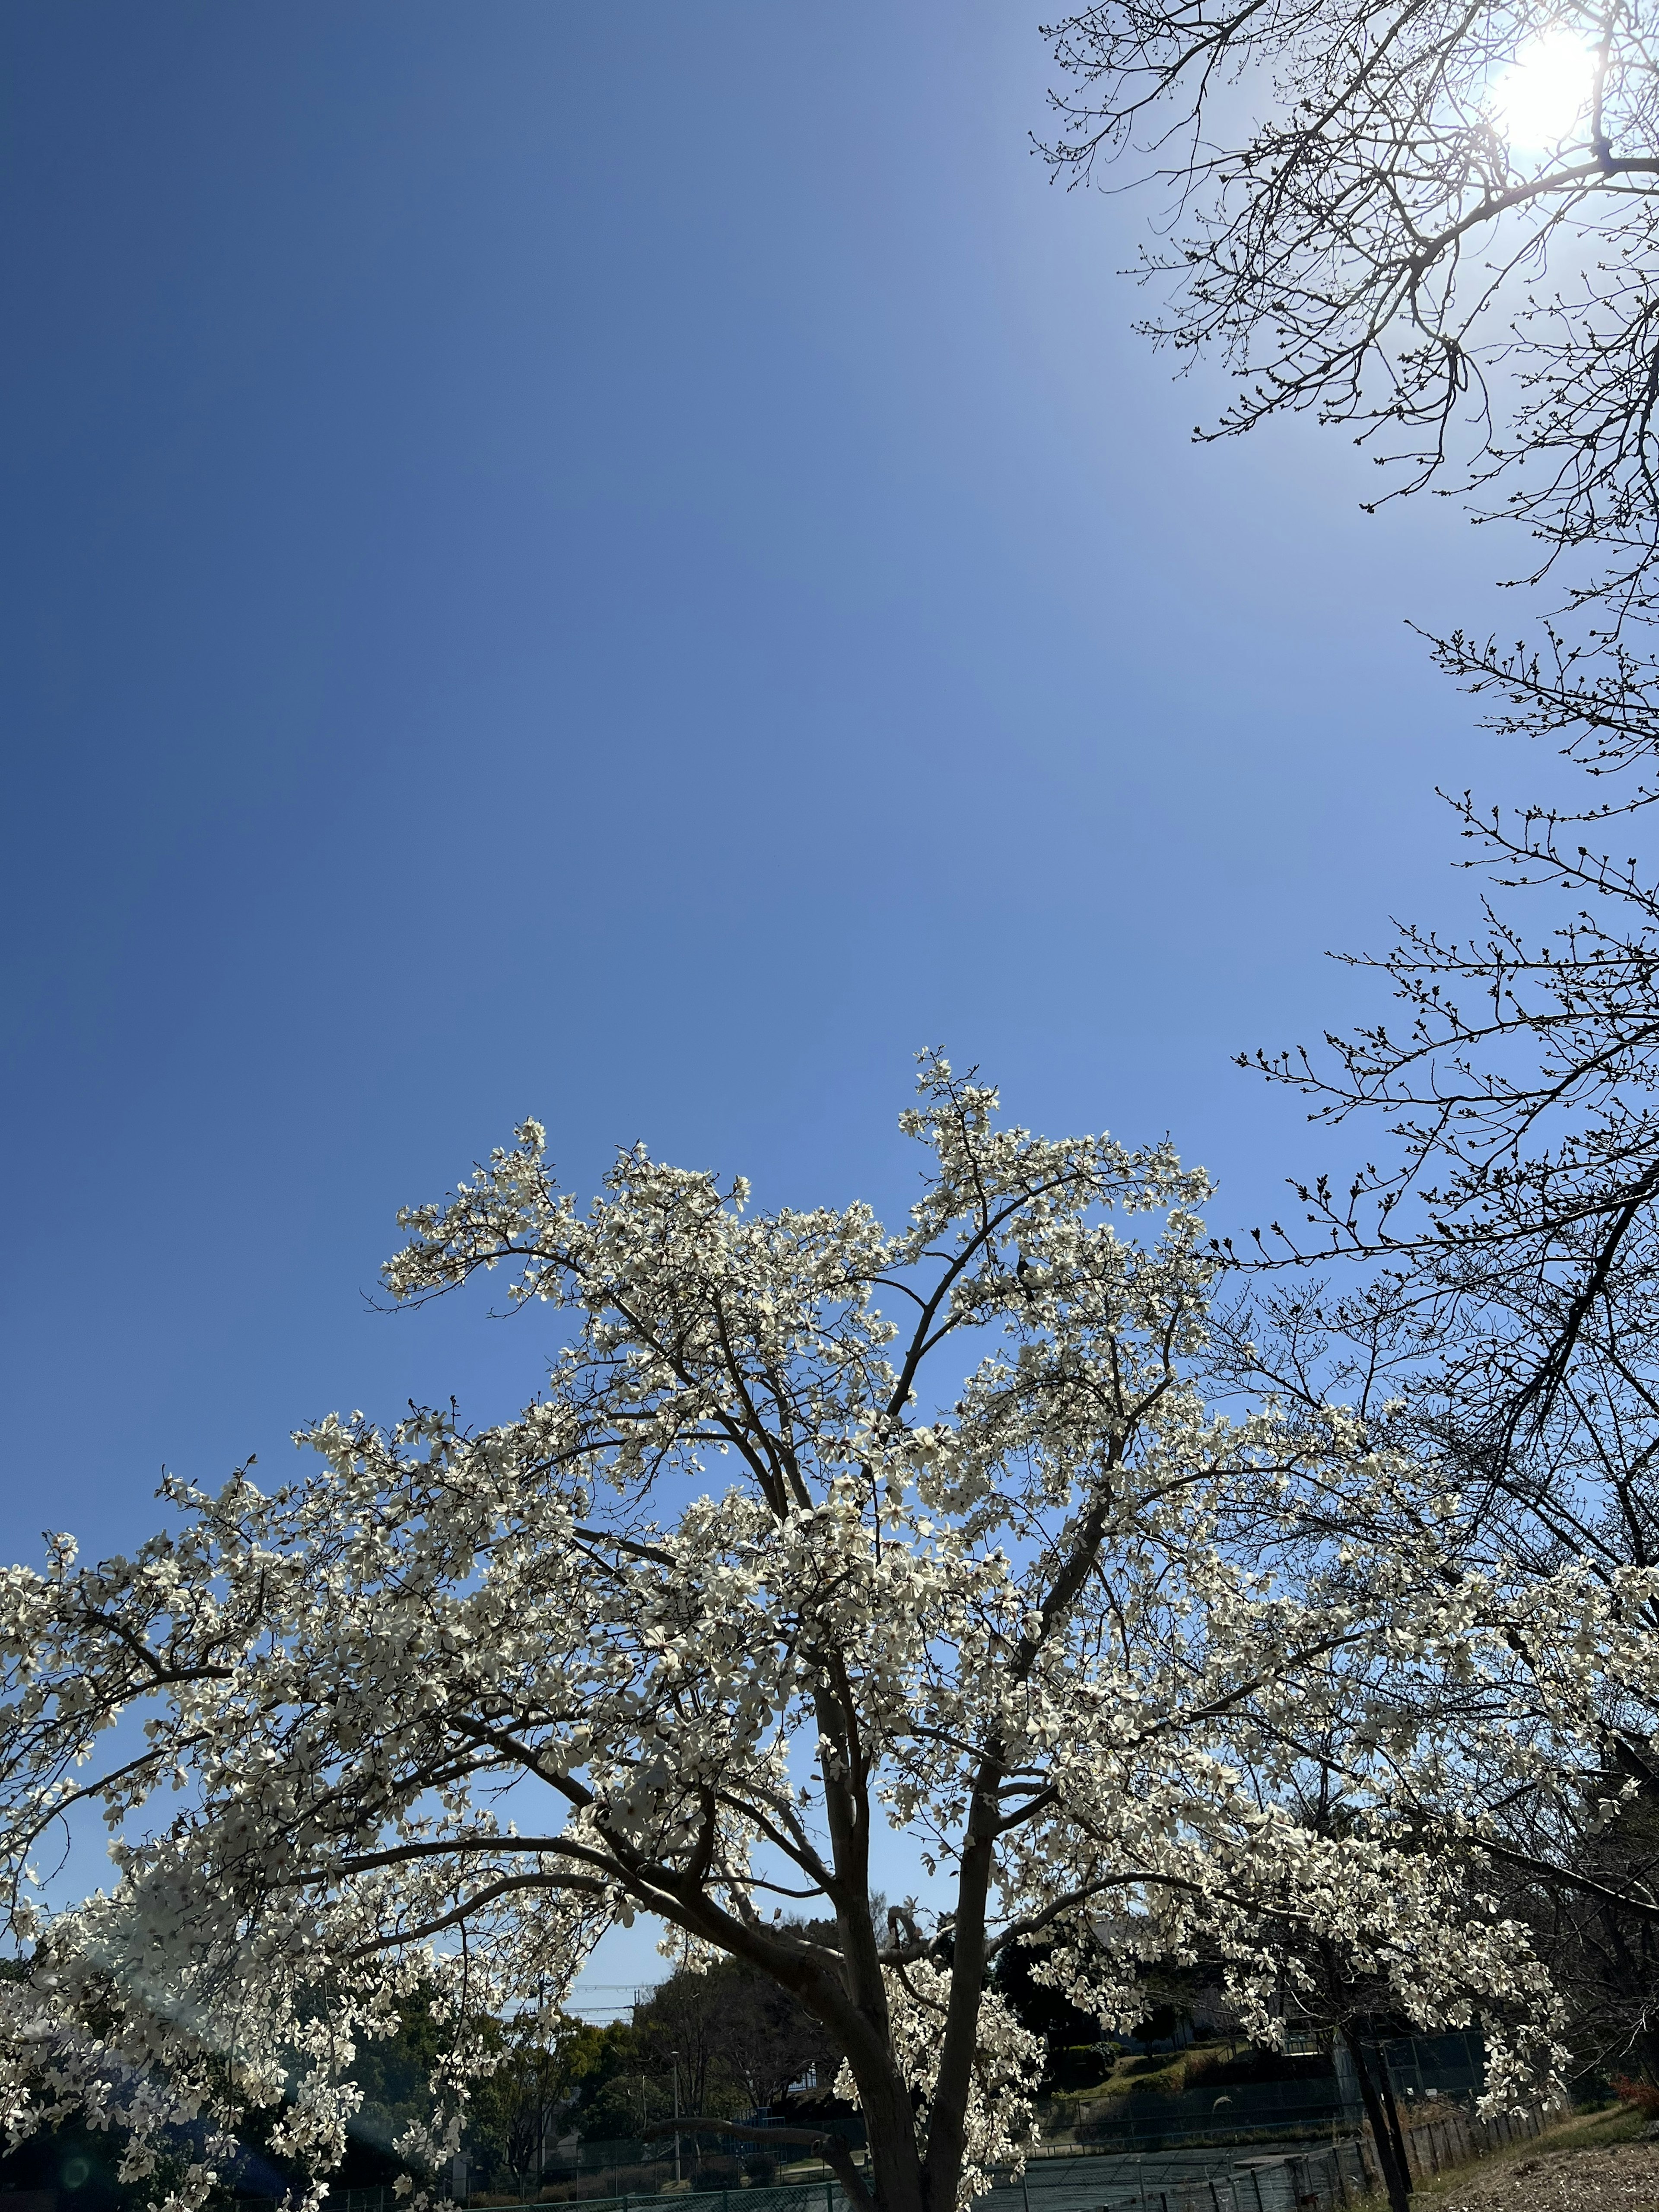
815	1528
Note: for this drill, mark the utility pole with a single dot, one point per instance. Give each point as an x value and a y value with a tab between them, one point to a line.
541	2082
675	2055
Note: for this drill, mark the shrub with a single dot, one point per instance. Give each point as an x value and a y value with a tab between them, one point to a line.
1641	2096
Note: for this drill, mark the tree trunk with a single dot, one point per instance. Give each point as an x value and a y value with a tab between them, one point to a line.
890	2123
947	2114
1390	2145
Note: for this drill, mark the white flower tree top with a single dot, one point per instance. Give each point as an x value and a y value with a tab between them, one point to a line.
815	1528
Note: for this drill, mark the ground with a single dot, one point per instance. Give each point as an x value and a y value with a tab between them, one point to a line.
1588	2164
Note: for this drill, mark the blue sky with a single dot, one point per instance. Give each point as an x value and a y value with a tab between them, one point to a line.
624	564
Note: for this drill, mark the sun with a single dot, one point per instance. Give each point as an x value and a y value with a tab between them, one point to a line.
1540	96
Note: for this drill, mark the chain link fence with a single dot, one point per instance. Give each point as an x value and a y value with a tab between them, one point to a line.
1192	2153
1306	2177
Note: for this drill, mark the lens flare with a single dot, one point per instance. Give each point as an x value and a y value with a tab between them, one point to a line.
1545	91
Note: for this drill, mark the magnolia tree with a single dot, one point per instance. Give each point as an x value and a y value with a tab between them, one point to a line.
818	1531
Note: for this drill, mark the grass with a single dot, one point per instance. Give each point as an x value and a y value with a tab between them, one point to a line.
1167	2073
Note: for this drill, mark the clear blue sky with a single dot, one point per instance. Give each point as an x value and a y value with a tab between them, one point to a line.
622	563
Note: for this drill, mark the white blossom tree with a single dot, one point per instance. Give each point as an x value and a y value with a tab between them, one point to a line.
815	1529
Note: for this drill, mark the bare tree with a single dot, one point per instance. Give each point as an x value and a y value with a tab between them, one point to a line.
1514	1210
742	2038
1432	222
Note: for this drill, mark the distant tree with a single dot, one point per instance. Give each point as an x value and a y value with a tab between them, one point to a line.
681	2022
547	2062
730	1594
626	2103
391	2072
742	2038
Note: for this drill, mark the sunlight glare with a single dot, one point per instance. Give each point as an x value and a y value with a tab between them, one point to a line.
1540	97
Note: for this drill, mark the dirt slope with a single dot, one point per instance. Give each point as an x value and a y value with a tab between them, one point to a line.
1617	2178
